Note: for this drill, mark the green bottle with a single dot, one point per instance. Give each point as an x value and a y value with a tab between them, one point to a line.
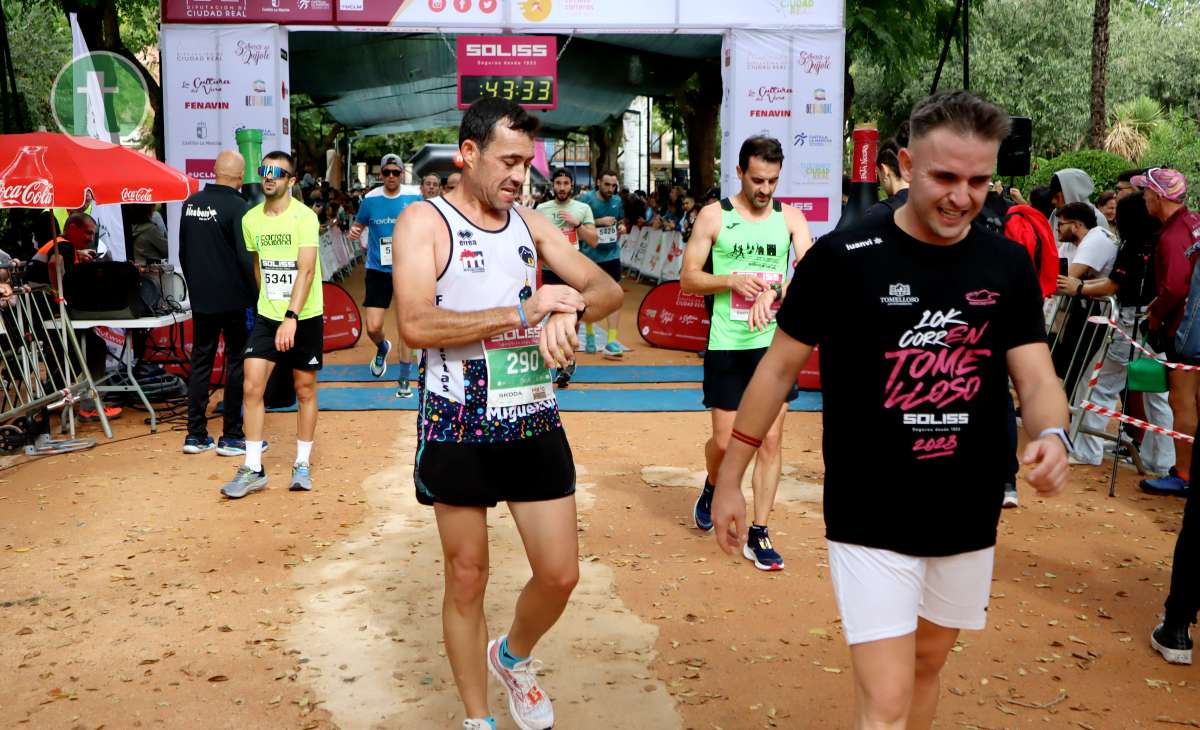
249	142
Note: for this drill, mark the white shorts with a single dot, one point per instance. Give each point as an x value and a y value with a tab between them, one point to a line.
881	593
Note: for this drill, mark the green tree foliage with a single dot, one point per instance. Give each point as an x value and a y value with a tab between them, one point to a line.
1103	167
40	40
1175	142
1034	58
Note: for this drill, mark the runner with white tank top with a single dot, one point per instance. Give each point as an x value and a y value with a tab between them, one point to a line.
488	424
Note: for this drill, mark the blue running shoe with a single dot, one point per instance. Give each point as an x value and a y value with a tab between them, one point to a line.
702	512
758	548
589	343
196	445
235	447
1171	485
613	351
379	362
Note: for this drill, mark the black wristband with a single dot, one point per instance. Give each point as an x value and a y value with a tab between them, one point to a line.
290	315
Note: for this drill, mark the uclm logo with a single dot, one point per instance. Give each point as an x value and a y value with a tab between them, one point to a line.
135	195
515	50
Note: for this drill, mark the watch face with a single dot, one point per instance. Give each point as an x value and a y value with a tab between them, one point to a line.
525	293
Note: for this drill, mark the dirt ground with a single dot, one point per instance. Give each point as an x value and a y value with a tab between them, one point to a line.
132	595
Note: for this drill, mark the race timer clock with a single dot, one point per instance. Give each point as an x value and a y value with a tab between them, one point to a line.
520	69
531	92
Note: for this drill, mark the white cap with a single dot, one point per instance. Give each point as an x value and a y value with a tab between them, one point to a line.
391	159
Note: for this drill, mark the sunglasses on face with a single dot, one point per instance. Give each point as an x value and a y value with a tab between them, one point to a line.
274	171
391	173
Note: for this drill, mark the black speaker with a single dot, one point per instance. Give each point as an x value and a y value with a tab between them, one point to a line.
1013	160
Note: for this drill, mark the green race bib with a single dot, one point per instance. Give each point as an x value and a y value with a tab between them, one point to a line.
517	375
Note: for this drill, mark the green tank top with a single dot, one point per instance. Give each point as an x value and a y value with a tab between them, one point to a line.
746	247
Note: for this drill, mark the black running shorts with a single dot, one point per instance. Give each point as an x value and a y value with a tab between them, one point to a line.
307	351
612	267
536	469
379	289
726	375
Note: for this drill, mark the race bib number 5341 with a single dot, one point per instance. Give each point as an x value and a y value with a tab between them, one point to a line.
517	375
278	278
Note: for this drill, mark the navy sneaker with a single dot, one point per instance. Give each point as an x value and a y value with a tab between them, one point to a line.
235	447
702	512
758	548
1173	642
197	445
1171	485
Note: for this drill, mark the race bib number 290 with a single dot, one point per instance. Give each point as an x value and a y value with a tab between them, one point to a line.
278	278
516	373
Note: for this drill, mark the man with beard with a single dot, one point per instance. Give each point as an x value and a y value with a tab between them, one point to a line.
609	214
748	238
288	329
575	221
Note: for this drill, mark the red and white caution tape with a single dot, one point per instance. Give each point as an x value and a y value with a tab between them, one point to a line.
1117	415
1141	348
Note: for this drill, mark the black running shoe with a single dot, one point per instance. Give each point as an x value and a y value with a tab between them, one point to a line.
702	512
1173	642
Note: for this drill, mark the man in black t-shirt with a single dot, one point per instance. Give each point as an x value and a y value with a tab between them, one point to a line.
920	319
222	285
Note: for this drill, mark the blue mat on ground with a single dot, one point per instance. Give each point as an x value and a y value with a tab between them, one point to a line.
610	401
584	374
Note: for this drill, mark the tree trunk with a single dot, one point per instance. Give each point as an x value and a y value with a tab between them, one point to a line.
701	117
1098	124
101	27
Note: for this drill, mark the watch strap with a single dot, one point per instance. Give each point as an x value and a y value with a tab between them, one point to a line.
289	314
1062	436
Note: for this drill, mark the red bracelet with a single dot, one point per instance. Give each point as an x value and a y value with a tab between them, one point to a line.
748	440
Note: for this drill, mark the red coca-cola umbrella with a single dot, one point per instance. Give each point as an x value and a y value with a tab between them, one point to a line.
51	170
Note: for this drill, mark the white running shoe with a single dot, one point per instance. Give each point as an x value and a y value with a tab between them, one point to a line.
529	706
486	723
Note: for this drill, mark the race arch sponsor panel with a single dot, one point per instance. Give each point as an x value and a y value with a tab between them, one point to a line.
217	80
247	11
788	85
517	14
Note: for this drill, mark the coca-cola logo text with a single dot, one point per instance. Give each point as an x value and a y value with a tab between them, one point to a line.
135	195
813	63
770	94
252	53
205	85
33	194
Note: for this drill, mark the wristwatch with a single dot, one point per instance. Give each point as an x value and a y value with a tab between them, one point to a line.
1062	436
290	315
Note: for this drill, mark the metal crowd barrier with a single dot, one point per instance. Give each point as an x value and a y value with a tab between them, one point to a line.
1078	348
42	369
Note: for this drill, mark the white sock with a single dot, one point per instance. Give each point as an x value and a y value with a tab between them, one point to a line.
303	451
254	455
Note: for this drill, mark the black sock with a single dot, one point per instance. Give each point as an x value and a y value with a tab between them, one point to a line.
708	487
757	528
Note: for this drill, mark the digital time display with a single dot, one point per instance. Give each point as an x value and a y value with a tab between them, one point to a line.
532	92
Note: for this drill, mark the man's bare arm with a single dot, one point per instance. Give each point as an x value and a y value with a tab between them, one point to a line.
306	264
692	278
601	295
588	234
414	277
